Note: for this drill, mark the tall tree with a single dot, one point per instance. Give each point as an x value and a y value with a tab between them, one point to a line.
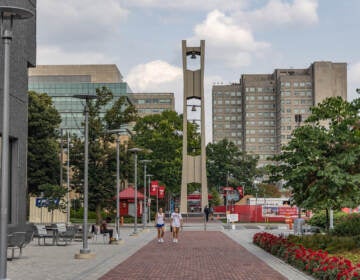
321	162
102	152
226	164
161	133
43	150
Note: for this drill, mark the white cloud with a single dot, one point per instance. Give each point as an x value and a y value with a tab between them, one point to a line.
279	12
160	76
54	55
227	41
353	80
80	22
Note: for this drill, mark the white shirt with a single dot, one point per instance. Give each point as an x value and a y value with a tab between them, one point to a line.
176	218
160	218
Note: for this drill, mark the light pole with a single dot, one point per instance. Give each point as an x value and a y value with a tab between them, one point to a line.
85	252
135	151
145	161
119	132
298	120
8	15
149	200
68	178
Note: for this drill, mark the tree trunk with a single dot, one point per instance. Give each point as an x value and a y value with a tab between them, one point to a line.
99	218
327	226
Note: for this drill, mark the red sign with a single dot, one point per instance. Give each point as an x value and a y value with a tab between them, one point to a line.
154	187
227	188
161	192
241	191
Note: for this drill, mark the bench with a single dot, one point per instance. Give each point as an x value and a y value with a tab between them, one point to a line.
18	237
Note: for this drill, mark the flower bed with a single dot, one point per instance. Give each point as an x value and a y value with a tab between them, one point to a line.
318	263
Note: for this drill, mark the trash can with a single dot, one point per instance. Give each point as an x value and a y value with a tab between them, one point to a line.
298	226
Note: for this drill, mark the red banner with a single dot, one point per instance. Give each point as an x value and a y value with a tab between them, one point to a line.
161	192
154	187
241	191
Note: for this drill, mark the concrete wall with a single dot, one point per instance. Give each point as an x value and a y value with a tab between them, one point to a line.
23	55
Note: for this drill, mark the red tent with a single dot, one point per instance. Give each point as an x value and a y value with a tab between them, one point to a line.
129	193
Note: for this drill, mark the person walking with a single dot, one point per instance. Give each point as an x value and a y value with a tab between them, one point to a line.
207	212
176	223
160	225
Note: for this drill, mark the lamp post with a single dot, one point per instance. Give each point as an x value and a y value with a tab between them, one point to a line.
120	131
145	161
149	200
298	120
68	178
85	251
8	15
135	151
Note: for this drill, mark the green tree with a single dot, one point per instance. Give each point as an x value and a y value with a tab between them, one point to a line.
320	164
55	196
43	150
160	133
102	151
226	164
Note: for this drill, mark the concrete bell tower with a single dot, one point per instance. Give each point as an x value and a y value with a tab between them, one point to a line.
193	167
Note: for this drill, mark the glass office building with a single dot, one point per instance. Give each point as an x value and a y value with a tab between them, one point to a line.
62	82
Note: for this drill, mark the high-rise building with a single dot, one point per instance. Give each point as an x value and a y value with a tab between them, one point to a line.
62	82
260	113
153	103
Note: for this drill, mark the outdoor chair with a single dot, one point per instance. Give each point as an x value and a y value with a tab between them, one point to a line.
64	234
16	240
42	233
95	229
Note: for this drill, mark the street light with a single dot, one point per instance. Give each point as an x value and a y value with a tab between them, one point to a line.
145	161
135	151
298	120
85	252
149	176
119	132
8	15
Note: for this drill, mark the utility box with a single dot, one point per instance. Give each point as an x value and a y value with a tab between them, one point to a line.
299	226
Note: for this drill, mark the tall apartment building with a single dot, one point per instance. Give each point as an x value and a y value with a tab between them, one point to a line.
260	113
62	82
153	103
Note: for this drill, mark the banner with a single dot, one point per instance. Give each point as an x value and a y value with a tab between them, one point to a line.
161	191
154	187
241	191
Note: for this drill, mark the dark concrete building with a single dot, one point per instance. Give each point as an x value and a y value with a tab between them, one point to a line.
260	112
23	55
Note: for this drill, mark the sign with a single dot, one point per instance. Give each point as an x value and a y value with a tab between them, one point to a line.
161	190
44	202
227	188
232	217
240	189
154	188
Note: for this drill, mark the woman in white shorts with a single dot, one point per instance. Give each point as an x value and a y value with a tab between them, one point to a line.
176	223
160	225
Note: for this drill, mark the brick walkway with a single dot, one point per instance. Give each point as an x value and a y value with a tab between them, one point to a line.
198	255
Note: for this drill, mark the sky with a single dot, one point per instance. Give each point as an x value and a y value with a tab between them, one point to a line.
143	38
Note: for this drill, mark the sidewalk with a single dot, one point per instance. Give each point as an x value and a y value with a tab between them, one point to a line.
216	253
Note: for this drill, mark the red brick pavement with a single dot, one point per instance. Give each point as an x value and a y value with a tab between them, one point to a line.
207	255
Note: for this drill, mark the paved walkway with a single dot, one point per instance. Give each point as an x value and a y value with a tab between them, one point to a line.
212	254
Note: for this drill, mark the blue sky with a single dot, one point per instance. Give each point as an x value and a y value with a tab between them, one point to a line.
143	38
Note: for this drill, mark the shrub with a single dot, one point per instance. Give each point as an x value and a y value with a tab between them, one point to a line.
315	262
319	218
348	225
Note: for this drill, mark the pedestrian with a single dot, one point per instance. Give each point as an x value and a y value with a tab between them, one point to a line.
160	225
211	213
104	228
207	212
176	223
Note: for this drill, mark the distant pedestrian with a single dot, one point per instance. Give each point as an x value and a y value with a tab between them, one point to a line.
160	225
207	212
104	228
176	223
211	213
